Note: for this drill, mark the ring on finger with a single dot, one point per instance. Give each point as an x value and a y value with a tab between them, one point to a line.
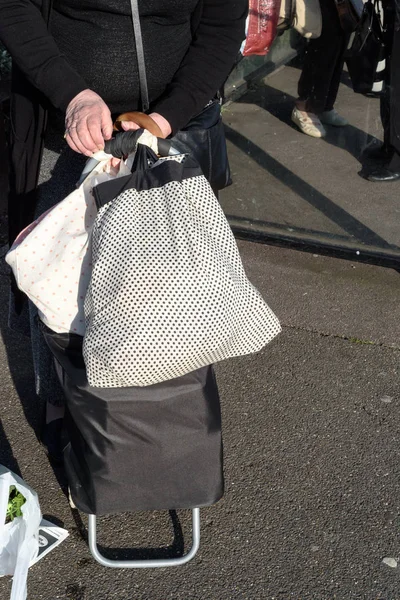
68	131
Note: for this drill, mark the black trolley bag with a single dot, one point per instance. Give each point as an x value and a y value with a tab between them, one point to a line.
139	448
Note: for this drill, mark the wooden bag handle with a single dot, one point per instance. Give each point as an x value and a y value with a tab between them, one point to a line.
141	119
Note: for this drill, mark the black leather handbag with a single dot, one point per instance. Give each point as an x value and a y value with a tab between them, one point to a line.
366	57
204	139
204	136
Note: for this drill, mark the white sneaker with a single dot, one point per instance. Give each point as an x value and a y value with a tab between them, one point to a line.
331	117
308	123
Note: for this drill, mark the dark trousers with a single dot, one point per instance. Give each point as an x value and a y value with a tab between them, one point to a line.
323	64
390	101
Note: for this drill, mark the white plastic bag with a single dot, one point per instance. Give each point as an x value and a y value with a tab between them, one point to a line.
19	540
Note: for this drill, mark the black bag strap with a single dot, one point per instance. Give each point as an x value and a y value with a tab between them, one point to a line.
144	92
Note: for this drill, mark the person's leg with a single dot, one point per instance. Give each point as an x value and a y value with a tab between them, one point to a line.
320	77
390	171
389	16
48	389
385	115
337	73
382	153
394	130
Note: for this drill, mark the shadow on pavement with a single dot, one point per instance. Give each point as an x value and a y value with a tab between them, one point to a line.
280	105
19	359
297	63
307	192
174	550
54	520
7	457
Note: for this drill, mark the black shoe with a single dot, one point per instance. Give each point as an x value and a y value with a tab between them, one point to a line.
381	153
51	438
383	174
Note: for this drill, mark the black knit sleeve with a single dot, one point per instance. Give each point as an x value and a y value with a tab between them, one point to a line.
25	35
207	63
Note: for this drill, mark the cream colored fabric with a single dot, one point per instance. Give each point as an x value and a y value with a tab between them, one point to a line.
51	258
308	19
168	292
303	15
286	14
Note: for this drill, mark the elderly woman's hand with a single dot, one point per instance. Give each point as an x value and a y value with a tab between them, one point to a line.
87	123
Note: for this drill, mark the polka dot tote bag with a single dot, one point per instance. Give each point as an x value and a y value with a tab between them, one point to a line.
168	292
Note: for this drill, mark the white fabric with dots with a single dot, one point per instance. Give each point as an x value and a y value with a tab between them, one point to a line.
168	292
51	258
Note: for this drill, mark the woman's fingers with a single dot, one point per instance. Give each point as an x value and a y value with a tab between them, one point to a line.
74	141
71	144
79	140
106	124
83	138
162	123
94	134
129	126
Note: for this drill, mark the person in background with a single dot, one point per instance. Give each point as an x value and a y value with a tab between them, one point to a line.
387	156
320	78
83	71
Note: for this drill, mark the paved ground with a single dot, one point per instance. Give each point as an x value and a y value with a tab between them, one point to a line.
293	185
311	455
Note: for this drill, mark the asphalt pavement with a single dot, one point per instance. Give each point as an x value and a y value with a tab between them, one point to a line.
287	184
312	503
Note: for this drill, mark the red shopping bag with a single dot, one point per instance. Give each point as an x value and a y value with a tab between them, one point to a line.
262	27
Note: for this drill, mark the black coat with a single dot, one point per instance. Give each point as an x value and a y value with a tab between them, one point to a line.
29	106
28	116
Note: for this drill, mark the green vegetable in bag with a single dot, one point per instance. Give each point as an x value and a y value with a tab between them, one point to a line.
15	502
